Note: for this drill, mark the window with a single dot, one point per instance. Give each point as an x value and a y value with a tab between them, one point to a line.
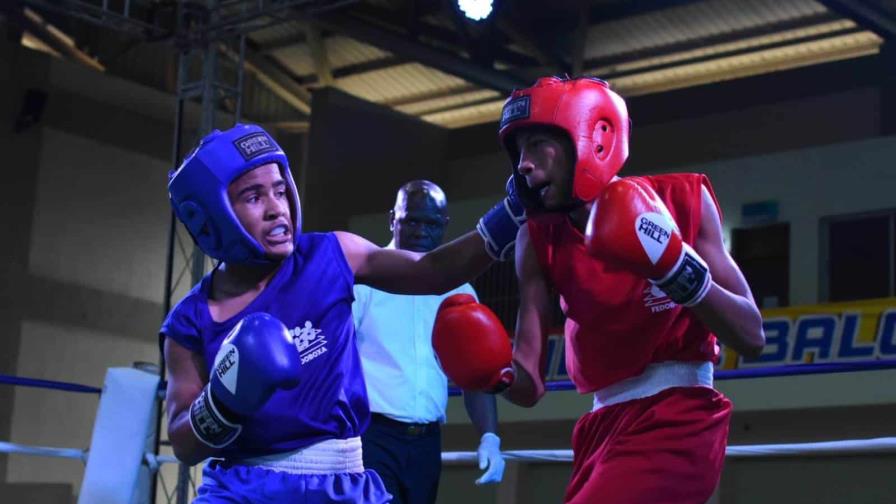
858	256
763	254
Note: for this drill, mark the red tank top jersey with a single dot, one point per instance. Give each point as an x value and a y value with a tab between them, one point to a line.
617	323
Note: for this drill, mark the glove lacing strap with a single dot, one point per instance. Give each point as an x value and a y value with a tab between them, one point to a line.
209	425
689	281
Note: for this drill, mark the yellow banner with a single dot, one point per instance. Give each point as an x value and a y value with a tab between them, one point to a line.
833	332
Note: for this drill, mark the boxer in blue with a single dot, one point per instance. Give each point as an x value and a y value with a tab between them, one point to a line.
263	371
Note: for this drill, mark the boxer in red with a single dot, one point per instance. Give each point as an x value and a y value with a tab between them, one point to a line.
646	285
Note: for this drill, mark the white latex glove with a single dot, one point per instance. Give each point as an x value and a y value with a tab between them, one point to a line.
490	456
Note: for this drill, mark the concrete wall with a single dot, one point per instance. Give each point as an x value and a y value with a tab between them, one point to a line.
83	265
359	153
84	255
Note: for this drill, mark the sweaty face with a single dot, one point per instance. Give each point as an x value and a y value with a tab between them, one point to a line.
418	222
546	162
260	202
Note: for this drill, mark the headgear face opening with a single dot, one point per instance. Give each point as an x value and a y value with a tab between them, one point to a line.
595	118
198	191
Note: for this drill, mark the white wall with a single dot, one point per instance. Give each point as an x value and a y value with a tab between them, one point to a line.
100	217
808	184
99	231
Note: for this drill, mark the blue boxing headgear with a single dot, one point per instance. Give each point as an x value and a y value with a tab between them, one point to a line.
198	191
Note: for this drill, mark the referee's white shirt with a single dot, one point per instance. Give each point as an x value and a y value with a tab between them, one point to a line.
394	333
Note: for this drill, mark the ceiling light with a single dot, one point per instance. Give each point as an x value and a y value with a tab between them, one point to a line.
477	10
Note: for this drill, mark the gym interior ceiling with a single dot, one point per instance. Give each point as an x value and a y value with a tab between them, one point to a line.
424	58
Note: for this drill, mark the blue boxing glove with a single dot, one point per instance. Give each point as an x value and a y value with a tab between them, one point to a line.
255	359
498	227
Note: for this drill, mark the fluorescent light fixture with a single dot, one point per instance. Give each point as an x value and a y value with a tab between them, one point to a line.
477	10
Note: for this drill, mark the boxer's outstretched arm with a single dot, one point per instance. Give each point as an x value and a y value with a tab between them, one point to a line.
405	272
531	325
185	383
728	309
446	267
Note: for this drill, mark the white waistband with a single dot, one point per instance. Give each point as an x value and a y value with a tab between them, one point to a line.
327	457
656	378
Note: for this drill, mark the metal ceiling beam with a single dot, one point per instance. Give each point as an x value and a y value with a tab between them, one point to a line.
271	76
286	42
319	55
733	52
400	46
580	41
103	15
624	9
356	69
292	40
865	15
455	106
368	66
420	97
240	17
542	36
291	126
702	42
525	38
477	118
34	24
437	34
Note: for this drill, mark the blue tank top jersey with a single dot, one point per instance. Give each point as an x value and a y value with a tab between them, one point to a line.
312	294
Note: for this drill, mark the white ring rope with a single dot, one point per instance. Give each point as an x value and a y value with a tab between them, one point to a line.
44	451
829	448
844	447
151	460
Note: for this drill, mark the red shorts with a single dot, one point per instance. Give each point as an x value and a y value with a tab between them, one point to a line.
666	448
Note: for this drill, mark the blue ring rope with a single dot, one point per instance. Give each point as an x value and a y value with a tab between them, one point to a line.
787	370
47	384
803	369
764	372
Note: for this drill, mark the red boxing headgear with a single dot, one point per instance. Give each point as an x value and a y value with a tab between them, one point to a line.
594	117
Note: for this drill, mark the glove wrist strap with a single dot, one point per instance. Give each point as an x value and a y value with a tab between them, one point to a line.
498	228
209	425
689	281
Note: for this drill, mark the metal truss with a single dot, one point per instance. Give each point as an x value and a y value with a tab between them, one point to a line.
202	31
217	19
99	12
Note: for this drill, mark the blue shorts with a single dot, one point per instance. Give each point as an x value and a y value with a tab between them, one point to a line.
225	482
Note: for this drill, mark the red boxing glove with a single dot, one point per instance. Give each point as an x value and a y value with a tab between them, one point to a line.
472	345
631	228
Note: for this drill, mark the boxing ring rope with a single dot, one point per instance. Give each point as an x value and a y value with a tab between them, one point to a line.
880	445
760	372
46	451
826	448
151	460
119	463
47	384
844	447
